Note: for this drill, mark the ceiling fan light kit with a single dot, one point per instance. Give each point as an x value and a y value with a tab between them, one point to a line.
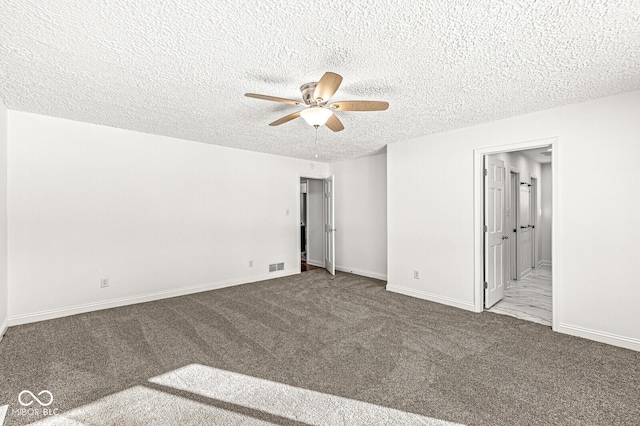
318	111
316	116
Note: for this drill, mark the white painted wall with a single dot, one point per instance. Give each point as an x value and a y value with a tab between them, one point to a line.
528	169
430	191
3	221
315	227
157	216
545	217
361	215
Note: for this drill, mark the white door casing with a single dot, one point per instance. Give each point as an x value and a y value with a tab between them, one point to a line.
329	230
514	223
495	231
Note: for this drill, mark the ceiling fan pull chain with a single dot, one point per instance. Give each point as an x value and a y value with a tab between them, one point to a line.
316	156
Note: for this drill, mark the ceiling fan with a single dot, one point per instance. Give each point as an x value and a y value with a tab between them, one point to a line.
315	99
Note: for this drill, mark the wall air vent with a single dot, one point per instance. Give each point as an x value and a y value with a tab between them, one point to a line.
276	267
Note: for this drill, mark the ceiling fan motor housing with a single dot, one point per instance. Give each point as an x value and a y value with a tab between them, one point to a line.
307	93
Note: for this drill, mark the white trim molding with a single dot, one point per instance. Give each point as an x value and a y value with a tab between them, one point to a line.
362	272
461	304
132	300
599	336
543	262
524	274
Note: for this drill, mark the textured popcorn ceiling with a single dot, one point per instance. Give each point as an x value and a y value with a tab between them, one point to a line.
181	68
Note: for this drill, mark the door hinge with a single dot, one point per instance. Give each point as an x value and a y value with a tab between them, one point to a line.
486	286
486	172
486	228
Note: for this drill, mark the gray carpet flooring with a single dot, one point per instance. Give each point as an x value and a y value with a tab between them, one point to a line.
311	349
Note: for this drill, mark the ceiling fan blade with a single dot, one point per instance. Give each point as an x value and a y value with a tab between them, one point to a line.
272	98
327	86
334	123
360	105
285	119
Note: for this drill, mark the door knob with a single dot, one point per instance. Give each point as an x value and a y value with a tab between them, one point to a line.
505	237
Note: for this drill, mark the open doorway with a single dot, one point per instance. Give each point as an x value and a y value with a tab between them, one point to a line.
317	232
517	278
311	224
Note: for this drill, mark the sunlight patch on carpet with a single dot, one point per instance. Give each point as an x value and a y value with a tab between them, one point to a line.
283	400
140	405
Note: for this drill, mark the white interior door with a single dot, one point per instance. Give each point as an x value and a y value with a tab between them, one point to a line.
495	231
329	230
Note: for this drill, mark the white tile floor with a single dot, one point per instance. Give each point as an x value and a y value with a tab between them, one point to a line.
528	299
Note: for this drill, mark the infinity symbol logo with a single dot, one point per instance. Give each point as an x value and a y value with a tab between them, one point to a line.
35	398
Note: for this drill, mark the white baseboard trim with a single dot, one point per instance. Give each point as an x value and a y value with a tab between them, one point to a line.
544	263
600	336
362	272
132	300
3	330
432	297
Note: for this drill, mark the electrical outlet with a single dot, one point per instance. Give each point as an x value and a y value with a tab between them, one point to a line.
416	274
251	264
104	282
